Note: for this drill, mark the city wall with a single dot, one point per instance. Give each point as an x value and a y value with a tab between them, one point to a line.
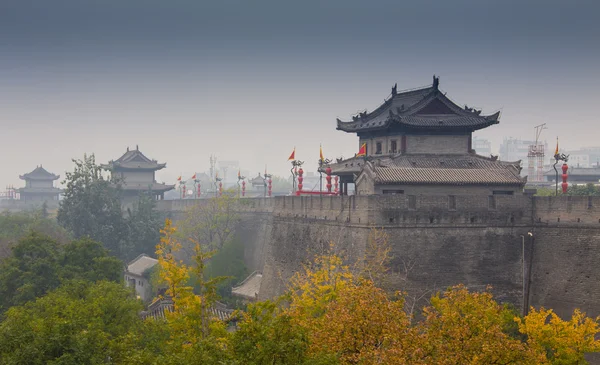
437	241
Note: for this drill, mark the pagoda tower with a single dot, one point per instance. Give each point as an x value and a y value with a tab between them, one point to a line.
136	173
420	142
39	186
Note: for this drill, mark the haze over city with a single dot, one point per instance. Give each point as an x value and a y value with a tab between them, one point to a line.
249	81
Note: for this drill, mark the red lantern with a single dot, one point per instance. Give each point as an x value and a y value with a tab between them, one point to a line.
328	178
243	188
300	179
183	191
564	184
270	186
220	188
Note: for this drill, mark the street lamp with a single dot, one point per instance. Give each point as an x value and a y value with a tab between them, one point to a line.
525	277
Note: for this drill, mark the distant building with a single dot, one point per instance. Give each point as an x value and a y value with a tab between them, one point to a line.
249	288
419	141
134	276
39	186
137	174
483	147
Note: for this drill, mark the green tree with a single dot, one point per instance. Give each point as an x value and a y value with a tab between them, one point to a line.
15	226
143	227
91	206
79	323
39	264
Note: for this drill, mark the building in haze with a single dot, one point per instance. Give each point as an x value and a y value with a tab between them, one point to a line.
482	146
137	175
419	141
39	186
515	149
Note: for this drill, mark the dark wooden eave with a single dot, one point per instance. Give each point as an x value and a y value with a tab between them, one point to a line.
420	109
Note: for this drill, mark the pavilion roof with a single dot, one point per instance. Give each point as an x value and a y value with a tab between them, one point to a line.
417	110
134	160
249	288
39	173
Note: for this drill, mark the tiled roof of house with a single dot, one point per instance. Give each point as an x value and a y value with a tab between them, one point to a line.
469	169
140	264
134	159
425	108
160	305
249	288
39	173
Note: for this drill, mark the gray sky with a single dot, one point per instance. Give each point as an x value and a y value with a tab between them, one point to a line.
248	81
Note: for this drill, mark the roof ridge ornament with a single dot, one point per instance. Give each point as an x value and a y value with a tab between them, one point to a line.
436	82
395	89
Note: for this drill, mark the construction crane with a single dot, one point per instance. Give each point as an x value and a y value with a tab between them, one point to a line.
536	155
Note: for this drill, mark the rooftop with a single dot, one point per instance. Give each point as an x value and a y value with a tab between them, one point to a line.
134	160
419	109
39	173
249	288
468	169
140	264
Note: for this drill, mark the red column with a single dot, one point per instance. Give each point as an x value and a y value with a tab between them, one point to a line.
336	185
564	184
328	178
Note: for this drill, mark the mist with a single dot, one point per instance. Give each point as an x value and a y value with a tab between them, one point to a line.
251	81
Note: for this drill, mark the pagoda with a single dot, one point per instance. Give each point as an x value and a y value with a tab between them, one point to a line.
420	141
136	173
39	186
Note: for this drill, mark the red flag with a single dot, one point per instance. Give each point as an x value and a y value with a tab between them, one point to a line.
179	178
194	177
321	153
293	155
363	150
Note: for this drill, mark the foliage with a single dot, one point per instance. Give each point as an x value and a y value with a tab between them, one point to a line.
191	325
39	264
266	335
79	323
560	341
212	223
91	206
227	262
14	226
587	190
281	184
143	223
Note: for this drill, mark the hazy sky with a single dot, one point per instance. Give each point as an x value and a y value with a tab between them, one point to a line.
249	80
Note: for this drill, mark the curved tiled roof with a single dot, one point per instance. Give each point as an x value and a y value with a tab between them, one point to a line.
444	176
249	288
424	108
39	173
134	159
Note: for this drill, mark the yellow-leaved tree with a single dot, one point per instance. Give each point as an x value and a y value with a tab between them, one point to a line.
560	341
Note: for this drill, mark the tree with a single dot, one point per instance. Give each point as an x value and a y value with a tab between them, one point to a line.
144	224
211	223
91	206
460	327
39	264
560	341
78	323
15	226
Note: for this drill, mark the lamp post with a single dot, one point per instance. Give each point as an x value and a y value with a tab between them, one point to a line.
564	158
267	179
218	186
240	179
294	171
322	162
525	283
182	189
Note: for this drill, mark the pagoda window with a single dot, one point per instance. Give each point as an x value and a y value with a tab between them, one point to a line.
378	148
394	146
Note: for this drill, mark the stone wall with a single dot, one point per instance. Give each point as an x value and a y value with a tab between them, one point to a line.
437	242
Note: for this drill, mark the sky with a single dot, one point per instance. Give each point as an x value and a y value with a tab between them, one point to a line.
251	80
